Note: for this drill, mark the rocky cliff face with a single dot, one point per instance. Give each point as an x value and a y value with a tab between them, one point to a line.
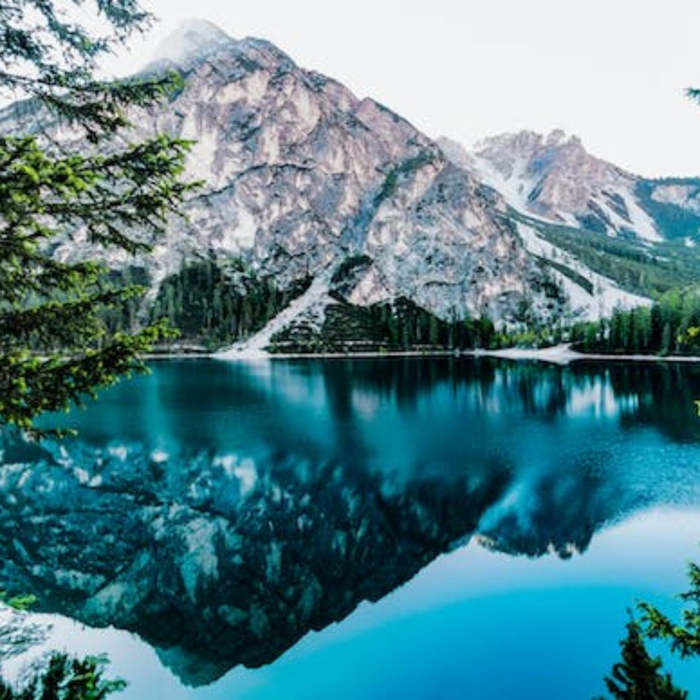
301	175
611	238
554	177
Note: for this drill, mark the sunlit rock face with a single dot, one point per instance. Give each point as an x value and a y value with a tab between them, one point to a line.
300	174
553	176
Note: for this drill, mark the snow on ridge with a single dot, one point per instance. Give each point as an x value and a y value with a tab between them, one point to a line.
514	188
606	297
192	37
570	179
642	224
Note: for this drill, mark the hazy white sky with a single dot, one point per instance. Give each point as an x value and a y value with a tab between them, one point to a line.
611	71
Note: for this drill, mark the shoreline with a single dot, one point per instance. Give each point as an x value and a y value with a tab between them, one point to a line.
558	354
563	354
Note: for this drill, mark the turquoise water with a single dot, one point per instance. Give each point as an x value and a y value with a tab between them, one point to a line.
445	528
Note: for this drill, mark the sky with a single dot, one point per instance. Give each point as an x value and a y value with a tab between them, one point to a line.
612	72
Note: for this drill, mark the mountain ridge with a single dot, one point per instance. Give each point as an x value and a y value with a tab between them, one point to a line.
302	176
374	180
553	176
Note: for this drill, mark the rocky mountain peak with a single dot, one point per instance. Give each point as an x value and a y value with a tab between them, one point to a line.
194	38
301	175
554	177
511	147
558	138
304	179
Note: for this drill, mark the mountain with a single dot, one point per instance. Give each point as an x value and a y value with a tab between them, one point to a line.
302	176
553	177
328	221
593	221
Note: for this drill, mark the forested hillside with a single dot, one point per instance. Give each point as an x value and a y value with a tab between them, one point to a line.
637	267
208	303
214	305
670	326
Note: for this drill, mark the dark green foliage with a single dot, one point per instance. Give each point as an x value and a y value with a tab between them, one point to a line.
638	676
574	276
401	326
126	316
348	266
671	326
591	222
617	203
649	270
214	304
684	637
48	58
119	196
64	678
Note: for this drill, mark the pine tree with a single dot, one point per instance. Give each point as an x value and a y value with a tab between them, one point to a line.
638	676
685	637
116	191
487	331
644	325
615	338
434	333
63	677
590	338
666	339
656	327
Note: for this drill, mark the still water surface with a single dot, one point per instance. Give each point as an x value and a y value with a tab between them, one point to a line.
445	528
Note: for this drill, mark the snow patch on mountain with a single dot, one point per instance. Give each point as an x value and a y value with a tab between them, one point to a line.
606	295
192	37
554	178
309	306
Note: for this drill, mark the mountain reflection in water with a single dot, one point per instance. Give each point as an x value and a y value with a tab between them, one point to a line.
222	511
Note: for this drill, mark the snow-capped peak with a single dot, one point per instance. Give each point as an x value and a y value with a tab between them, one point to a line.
553	177
193	38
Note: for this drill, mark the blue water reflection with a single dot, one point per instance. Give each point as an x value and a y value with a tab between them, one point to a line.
498	517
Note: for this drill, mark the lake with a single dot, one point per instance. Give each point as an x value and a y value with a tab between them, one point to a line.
390	528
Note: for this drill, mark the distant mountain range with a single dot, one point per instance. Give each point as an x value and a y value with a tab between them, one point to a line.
338	202
553	177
